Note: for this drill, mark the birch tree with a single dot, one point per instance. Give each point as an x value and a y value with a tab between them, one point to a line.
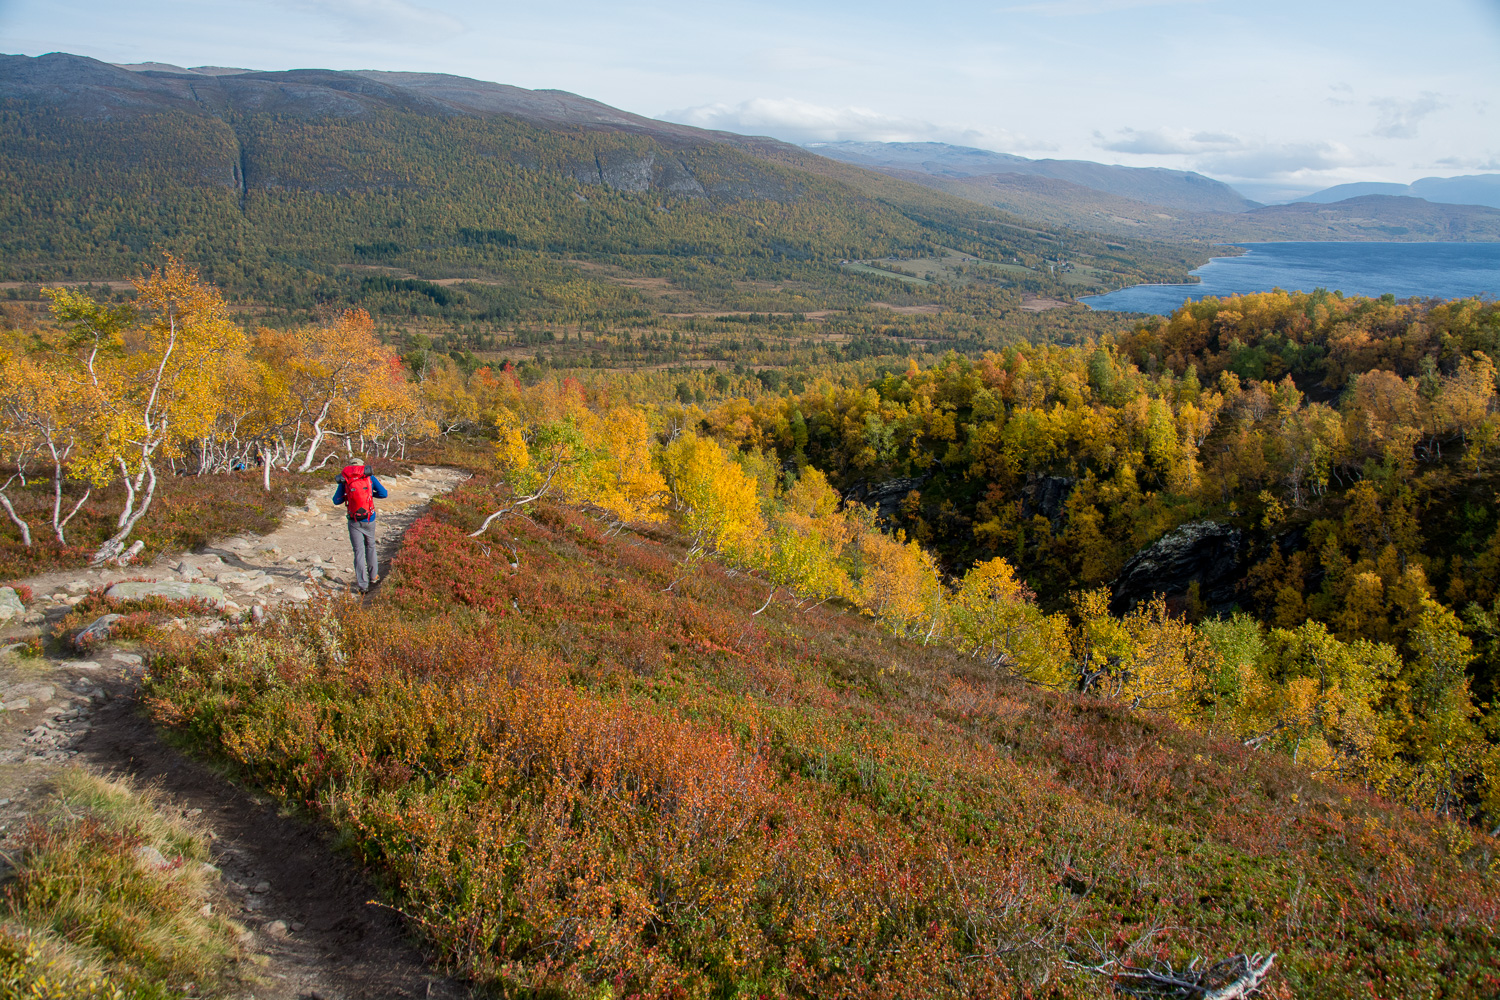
165	387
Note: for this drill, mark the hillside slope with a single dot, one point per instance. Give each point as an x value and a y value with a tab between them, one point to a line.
582	784
270	178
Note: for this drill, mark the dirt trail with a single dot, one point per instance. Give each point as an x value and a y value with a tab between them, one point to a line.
314	934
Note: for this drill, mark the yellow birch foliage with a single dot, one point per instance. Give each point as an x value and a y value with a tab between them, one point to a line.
808	536
169	384
994	617
899	586
1150	658
716	504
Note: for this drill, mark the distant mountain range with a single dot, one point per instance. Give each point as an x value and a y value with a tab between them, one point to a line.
1179	190
1471	189
1175	204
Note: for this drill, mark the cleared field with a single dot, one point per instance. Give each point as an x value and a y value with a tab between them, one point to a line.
951	268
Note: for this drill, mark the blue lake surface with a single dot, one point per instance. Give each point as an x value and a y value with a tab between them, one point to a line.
1440	270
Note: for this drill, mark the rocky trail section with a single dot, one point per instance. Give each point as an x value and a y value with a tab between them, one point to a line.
310	930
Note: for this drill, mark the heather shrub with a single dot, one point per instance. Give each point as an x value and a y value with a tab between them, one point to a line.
577	783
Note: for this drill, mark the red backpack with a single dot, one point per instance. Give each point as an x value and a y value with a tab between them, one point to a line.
359	496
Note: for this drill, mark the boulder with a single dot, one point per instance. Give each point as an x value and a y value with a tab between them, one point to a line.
1204	552
10	604
172	590
97	631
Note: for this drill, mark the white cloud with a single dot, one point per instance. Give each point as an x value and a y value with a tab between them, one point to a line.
802	121
1280	161
382	20
1399	119
1167	142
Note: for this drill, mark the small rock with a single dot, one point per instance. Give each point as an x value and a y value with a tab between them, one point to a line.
239	543
277	929
261	886
297	925
15	647
31	689
317	560
246	939
232	608
10	604
19	705
34	618
129	659
297	593
79	665
96	631
149	857
257	613
77	587
206	910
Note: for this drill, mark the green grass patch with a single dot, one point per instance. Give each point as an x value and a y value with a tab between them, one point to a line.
112	896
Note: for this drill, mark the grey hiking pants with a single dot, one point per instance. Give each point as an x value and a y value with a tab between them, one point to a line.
366	561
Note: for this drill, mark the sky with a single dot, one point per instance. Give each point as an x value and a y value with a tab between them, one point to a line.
1278	98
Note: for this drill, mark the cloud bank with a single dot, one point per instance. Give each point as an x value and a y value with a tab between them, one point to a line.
1234	157
801	122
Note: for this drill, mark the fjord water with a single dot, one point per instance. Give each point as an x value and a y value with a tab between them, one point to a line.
1436	270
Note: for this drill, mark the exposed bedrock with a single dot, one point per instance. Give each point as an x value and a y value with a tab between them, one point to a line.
1204	552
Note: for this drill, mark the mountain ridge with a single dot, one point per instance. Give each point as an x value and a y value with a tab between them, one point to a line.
1178	189
1468	189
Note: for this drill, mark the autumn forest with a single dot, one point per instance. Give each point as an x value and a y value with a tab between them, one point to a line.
829	606
1341	622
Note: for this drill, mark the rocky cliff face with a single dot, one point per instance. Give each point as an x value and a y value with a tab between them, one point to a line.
885	496
1204	552
1047	496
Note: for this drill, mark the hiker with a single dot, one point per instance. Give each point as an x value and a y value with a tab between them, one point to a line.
359	488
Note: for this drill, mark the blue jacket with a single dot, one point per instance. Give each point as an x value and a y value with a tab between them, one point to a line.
375	488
